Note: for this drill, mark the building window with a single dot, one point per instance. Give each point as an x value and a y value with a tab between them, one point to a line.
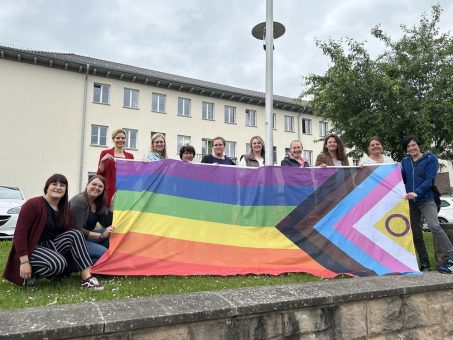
183	107
230	114
130	98
287	151
230	149
101	93
355	161
274	121
181	141
91	174
323	128
250	117
308	156
155	133
306	126
131	139
207	111
206	146
158	102
98	135
274	154
289	123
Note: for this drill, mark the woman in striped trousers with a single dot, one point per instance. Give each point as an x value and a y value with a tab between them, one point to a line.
45	239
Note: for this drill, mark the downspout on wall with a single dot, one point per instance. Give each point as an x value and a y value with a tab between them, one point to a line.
298	123
82	142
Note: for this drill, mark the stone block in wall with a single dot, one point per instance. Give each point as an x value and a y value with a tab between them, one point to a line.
325	335
434	315
263	326
441	297
447	320
423	333
415	310
384	315
178	332
259	326
308	320
350	321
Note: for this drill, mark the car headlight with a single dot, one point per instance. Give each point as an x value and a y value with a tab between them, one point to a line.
13	210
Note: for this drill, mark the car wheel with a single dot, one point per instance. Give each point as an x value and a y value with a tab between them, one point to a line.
442	220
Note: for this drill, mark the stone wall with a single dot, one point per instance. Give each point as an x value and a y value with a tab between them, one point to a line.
392	307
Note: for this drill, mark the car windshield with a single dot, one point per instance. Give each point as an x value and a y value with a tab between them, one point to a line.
444	203
10	193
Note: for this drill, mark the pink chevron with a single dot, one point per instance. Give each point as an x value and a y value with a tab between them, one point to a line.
349	219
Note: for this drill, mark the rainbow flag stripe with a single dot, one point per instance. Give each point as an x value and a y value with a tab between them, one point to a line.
176	218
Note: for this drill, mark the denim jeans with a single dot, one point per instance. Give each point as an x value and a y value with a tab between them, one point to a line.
97	247
428	209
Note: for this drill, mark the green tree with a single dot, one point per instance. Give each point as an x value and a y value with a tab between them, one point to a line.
406	90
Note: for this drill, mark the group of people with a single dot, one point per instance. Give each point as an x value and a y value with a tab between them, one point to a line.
55	236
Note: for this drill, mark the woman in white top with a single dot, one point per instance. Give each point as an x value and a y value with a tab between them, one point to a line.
255	157
375	155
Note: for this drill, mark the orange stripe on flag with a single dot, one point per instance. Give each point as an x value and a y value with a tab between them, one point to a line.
136	250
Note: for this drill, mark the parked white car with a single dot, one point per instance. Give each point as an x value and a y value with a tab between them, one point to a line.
11	200
446	210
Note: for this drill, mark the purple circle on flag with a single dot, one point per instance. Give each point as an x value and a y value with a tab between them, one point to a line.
404	218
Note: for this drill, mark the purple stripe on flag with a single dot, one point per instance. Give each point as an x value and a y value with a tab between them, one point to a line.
268	175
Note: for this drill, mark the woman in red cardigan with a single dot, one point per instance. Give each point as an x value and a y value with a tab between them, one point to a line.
45	239
106	165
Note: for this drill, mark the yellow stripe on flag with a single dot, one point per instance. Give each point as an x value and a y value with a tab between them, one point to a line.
194	230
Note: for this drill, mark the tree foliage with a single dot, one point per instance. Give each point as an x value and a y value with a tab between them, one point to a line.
406	90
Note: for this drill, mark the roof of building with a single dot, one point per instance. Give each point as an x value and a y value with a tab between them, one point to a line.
109	69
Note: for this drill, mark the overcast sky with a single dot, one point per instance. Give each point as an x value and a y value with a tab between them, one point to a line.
207	39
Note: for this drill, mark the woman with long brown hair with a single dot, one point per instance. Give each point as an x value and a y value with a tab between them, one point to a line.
333	153
87	210
45	238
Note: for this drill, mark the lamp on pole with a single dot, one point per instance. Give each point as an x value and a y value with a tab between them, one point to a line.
259	32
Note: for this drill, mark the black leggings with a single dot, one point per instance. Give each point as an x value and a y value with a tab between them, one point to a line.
48	260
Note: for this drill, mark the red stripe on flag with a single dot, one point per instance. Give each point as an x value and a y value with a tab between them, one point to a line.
141	254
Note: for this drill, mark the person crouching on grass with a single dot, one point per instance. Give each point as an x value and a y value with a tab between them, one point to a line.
44	235
87	210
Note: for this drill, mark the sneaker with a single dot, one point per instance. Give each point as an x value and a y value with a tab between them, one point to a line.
425	267
91	283
446	267
31	282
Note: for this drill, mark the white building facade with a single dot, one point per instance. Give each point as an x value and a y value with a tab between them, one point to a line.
58	112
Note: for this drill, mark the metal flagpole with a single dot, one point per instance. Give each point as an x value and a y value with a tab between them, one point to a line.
275	30
269	103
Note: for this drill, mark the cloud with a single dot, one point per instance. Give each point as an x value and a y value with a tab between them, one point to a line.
205	39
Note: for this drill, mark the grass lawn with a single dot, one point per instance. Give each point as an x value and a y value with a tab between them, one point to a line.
121	287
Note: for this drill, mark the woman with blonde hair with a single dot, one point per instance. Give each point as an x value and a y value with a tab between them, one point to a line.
294	158
255	157
158	148
106	167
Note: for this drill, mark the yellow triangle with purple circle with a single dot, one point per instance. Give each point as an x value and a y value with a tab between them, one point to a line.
395	224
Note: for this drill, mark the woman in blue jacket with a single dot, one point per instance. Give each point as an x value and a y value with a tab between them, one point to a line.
419	171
